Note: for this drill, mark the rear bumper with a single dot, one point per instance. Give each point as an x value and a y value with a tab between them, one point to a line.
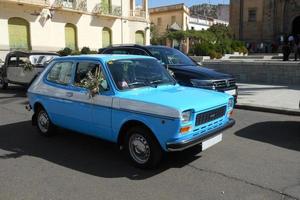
185	144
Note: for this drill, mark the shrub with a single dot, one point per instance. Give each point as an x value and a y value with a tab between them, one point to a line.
85	50
202	49
65	52
213	54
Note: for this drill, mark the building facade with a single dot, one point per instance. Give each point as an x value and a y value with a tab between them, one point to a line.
202	23
50	25
264	21
172	17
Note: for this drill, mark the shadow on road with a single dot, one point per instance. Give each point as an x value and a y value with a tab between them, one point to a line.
13	91
284	134
80	152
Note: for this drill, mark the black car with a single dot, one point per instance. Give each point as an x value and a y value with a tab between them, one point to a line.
186	71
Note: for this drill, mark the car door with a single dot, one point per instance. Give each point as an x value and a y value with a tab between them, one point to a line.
98	106
11	68
67	106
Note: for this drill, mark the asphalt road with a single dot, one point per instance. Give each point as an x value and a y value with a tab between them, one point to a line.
258	159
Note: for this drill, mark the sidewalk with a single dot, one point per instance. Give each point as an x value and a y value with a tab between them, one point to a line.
269	98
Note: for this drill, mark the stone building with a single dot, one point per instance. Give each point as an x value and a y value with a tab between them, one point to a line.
264	21
50	25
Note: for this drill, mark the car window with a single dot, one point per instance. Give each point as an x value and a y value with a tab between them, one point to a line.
41	59
134	73
86	71
170	56
61	73
12	62
23	60
116	51
137	52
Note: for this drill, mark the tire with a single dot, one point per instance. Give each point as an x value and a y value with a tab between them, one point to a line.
142	148
44	125
3	84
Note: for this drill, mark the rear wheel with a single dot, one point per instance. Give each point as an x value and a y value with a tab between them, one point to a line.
142	148
44	124
3	84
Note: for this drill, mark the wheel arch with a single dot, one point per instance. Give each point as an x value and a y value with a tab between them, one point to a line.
129	124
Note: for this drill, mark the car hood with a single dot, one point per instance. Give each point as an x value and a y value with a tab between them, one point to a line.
175	97
209	73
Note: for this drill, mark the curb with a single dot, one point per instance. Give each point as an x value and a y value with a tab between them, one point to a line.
283	111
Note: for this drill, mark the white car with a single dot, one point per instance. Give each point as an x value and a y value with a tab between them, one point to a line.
23	67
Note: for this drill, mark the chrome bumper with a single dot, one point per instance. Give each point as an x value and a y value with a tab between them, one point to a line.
185	144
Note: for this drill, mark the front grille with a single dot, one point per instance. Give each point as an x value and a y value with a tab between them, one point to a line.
224	83
211	115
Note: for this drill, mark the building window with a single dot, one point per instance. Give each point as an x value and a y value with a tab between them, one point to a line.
71	36
19	33
252	15
106	37
106	6
139	38
159	21
173	19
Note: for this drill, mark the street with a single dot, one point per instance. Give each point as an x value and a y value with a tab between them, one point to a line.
259	158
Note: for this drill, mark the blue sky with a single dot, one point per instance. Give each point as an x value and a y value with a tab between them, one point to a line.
155	3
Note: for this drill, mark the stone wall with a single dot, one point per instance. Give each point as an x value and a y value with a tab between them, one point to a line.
268	72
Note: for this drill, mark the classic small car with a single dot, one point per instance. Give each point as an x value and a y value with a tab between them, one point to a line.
22	67
129	100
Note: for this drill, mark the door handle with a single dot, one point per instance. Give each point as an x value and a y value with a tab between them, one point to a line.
69	94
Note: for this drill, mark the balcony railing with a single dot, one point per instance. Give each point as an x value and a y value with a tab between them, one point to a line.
29	2
106	10
137	13
78	5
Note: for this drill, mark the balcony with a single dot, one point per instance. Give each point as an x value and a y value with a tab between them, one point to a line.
107	11
138	13
71	5
40	3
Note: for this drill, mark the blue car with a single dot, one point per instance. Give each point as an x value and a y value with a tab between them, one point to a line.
129	100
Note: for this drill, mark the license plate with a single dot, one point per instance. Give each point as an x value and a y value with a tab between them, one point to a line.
231	92
212	141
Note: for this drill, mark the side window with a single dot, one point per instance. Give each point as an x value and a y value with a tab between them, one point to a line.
61	73
87	72
12	62
138	52
120	51
116	51
23	60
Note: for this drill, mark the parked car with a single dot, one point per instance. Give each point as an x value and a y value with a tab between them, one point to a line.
22	67
186	71
129	100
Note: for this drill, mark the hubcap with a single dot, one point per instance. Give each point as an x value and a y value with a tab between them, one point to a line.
139	148
43	121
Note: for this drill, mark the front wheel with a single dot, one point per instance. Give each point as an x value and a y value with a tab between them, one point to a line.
44	124
142	148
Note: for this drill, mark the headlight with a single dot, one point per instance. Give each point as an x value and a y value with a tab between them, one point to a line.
230	103
186	116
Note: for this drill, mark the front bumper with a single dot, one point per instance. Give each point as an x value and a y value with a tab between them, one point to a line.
185	144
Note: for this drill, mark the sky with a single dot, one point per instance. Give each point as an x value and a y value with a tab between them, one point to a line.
155	3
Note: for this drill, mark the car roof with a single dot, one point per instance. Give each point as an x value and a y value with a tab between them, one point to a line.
104	57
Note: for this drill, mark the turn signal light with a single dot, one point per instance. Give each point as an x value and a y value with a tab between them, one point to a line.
230	113
185	129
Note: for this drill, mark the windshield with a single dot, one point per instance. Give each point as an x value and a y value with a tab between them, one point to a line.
41	59
134	73
170	56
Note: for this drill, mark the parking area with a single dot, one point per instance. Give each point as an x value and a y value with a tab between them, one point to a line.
259	158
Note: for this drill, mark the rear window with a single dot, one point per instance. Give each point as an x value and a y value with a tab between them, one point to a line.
61	73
